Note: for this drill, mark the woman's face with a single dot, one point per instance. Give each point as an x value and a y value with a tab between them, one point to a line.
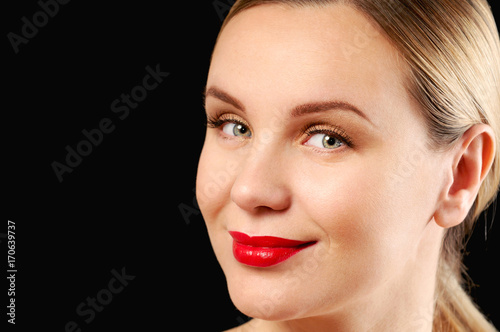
312	137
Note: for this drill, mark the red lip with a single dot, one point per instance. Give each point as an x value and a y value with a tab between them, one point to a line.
265	251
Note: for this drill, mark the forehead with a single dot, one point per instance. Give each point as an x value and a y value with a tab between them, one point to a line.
279	56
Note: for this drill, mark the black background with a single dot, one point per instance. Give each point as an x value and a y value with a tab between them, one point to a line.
120	207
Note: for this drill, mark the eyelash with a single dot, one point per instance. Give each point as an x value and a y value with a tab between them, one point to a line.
329	130
309	130
220	119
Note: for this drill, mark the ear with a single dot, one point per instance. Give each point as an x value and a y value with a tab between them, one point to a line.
472	159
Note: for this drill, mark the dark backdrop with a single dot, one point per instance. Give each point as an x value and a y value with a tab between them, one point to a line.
123	225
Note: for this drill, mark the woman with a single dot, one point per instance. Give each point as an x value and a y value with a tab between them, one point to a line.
351	145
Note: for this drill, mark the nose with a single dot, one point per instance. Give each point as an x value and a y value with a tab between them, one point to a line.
262	184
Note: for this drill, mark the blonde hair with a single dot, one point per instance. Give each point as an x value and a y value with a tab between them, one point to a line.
452	51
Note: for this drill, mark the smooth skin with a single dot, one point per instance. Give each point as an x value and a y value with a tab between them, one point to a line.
313	137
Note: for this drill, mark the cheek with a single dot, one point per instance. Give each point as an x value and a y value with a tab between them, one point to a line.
351	212
370	221
215	176
349	203
213	187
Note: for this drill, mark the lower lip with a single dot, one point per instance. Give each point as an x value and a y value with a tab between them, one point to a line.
265	256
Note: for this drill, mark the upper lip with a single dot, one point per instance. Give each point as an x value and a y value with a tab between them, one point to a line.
266	241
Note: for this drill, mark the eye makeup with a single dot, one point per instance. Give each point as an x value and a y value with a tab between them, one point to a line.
333	134
329	130
219	120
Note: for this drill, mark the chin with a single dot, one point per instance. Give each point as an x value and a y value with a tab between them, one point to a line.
272	295
265	307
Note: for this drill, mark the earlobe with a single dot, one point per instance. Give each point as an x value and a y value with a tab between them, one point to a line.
472	160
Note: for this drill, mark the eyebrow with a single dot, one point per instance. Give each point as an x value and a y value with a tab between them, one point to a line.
318	107
225	97
298	111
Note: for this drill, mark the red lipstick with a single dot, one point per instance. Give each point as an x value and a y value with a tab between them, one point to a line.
265	251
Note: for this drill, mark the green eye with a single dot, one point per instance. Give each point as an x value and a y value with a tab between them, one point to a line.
324	141
236	129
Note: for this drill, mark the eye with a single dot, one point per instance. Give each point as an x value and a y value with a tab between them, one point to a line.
236	129
230	125
325	141
326	136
